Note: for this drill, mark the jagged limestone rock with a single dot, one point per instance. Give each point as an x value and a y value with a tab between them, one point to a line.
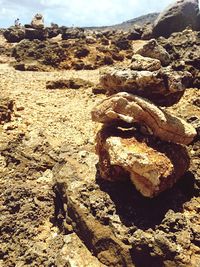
130	108
139	62
164	87
152	49
152	166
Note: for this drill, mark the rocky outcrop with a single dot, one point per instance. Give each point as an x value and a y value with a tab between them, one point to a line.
14	34
184	50
73	33
35	33
163	87
139	62
177	17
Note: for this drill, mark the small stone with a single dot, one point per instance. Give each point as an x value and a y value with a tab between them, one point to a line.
139	62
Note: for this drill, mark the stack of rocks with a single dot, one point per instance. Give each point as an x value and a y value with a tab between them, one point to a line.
36	29
138	140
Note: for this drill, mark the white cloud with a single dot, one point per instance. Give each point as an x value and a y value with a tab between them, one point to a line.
77	12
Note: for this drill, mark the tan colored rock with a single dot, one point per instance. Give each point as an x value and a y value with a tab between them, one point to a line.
152	166
37	21
139	62
152	49
163	87
130	108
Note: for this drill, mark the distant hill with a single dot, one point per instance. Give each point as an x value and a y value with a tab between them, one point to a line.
126	25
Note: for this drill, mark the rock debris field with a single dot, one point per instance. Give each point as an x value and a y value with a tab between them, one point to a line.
62	204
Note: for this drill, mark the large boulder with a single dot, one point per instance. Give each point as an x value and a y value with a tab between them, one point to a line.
177	17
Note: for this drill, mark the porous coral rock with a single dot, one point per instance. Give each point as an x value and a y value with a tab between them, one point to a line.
130	108
152	49
6	109
152	166
163	87
139	62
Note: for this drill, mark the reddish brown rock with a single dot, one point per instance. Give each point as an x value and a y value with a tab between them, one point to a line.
152	166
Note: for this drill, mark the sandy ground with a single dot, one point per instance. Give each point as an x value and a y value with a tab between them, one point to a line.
57	118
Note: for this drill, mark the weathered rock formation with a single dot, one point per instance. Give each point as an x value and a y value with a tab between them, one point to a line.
152	166
177	17
14	34
184	50
73	33
130	108
163	87
153	50
149	156
139	62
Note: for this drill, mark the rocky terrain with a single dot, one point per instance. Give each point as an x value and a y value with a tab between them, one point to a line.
56	210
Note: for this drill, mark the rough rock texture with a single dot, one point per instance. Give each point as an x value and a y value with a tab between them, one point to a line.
14	34
152	166
116	222
35	33
177	17
130	108
139	62
32	222
76	33
65	54
6	109
163	87
125	229
75	83
152	49
184	50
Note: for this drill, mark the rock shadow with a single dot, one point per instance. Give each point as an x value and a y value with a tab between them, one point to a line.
144	213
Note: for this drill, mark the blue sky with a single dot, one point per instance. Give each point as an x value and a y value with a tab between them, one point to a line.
77	12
